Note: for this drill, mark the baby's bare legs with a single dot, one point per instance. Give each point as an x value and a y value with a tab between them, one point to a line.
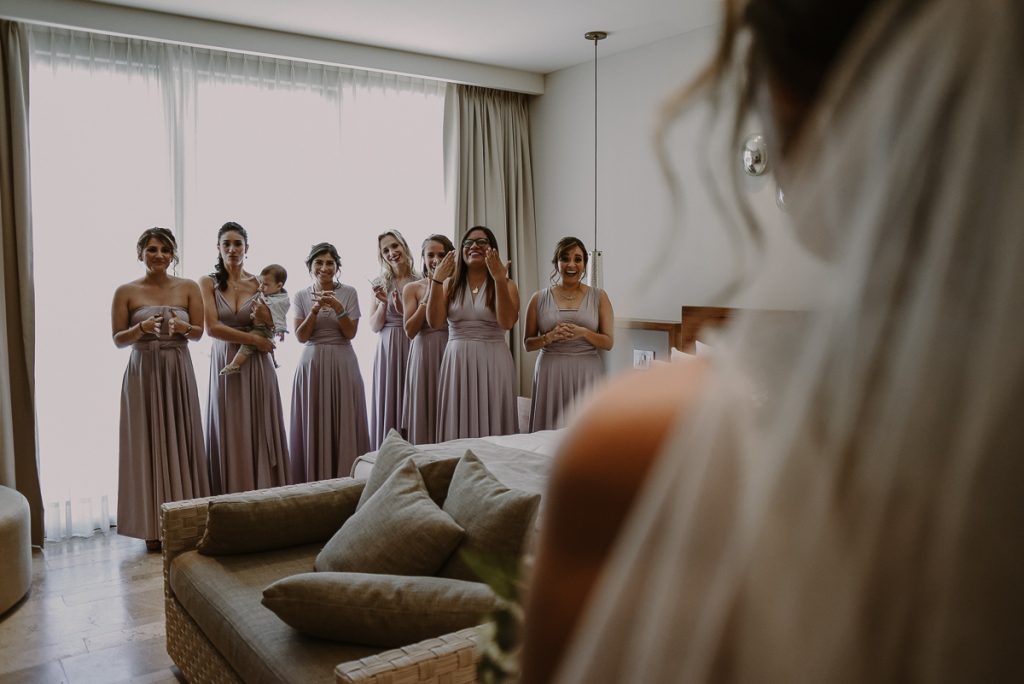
241	356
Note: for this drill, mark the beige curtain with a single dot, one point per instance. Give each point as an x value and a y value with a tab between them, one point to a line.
18	462
489	181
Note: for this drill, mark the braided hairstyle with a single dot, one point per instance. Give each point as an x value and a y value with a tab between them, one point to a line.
220	274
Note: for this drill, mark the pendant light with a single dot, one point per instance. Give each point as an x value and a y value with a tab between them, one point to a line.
596	267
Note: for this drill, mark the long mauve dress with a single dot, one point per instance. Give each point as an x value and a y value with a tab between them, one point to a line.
328	400
245	436
389	367
162	457
421	383
476	388
568	369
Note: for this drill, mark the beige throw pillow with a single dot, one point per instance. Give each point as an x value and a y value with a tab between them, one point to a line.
496	518
398	531
277	518
377	610
393	451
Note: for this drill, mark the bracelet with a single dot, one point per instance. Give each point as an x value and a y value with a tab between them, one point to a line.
341	315
188	330
439	282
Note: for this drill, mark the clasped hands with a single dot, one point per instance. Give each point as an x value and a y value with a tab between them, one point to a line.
327	299
153	324
565	331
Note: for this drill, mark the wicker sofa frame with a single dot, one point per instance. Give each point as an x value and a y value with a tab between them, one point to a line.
449	659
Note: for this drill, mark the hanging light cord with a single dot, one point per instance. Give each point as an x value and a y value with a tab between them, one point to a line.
596	39
595	36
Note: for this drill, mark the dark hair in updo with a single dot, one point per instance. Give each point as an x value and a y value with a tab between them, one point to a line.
220	274
163	235
563	246
324	248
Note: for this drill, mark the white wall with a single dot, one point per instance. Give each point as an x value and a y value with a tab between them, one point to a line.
654	262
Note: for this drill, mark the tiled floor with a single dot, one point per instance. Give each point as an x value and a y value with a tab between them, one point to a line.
95	615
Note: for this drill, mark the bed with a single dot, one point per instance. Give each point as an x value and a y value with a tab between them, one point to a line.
522	460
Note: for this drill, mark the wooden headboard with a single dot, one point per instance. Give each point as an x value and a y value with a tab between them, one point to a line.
693	320
696	320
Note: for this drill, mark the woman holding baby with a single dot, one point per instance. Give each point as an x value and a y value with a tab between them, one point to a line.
245	437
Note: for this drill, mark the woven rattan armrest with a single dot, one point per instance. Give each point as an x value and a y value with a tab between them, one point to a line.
447	659
182	525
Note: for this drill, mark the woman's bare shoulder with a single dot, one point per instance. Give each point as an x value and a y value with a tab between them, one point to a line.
620	431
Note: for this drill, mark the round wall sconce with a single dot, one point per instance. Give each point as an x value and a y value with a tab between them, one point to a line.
755	155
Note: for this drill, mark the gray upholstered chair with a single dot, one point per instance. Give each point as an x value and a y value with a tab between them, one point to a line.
15	548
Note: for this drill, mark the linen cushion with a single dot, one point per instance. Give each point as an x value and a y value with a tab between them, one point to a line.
393	451
277	518
222	595
398	531
377	610
495	517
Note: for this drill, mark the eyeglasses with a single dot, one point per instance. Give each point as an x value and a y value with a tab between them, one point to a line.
479	242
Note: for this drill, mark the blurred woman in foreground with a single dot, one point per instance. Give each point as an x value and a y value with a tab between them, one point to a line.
841	502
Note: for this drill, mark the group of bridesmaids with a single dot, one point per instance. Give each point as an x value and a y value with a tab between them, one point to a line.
442	371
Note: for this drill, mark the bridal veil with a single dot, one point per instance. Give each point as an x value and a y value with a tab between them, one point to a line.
847	505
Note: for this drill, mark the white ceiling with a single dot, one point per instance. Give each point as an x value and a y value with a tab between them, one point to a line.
539	36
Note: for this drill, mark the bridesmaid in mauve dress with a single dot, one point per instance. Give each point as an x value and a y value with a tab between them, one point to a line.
328	400
162	457
476	389
419	413
245	438
389	364
568	322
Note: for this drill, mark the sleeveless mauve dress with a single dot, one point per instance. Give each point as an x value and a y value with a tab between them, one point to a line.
476	388
328	427
568	369
389	368
162	457
245	438
421	383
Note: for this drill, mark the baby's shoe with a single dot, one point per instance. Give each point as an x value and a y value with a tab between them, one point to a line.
230	369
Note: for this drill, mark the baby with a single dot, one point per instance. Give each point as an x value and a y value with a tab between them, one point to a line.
272	293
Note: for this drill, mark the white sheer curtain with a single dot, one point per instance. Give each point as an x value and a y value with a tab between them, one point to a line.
127	134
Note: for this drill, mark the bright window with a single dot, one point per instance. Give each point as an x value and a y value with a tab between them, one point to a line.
128	134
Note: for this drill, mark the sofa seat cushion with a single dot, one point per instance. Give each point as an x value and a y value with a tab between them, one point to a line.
223	595
378	610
